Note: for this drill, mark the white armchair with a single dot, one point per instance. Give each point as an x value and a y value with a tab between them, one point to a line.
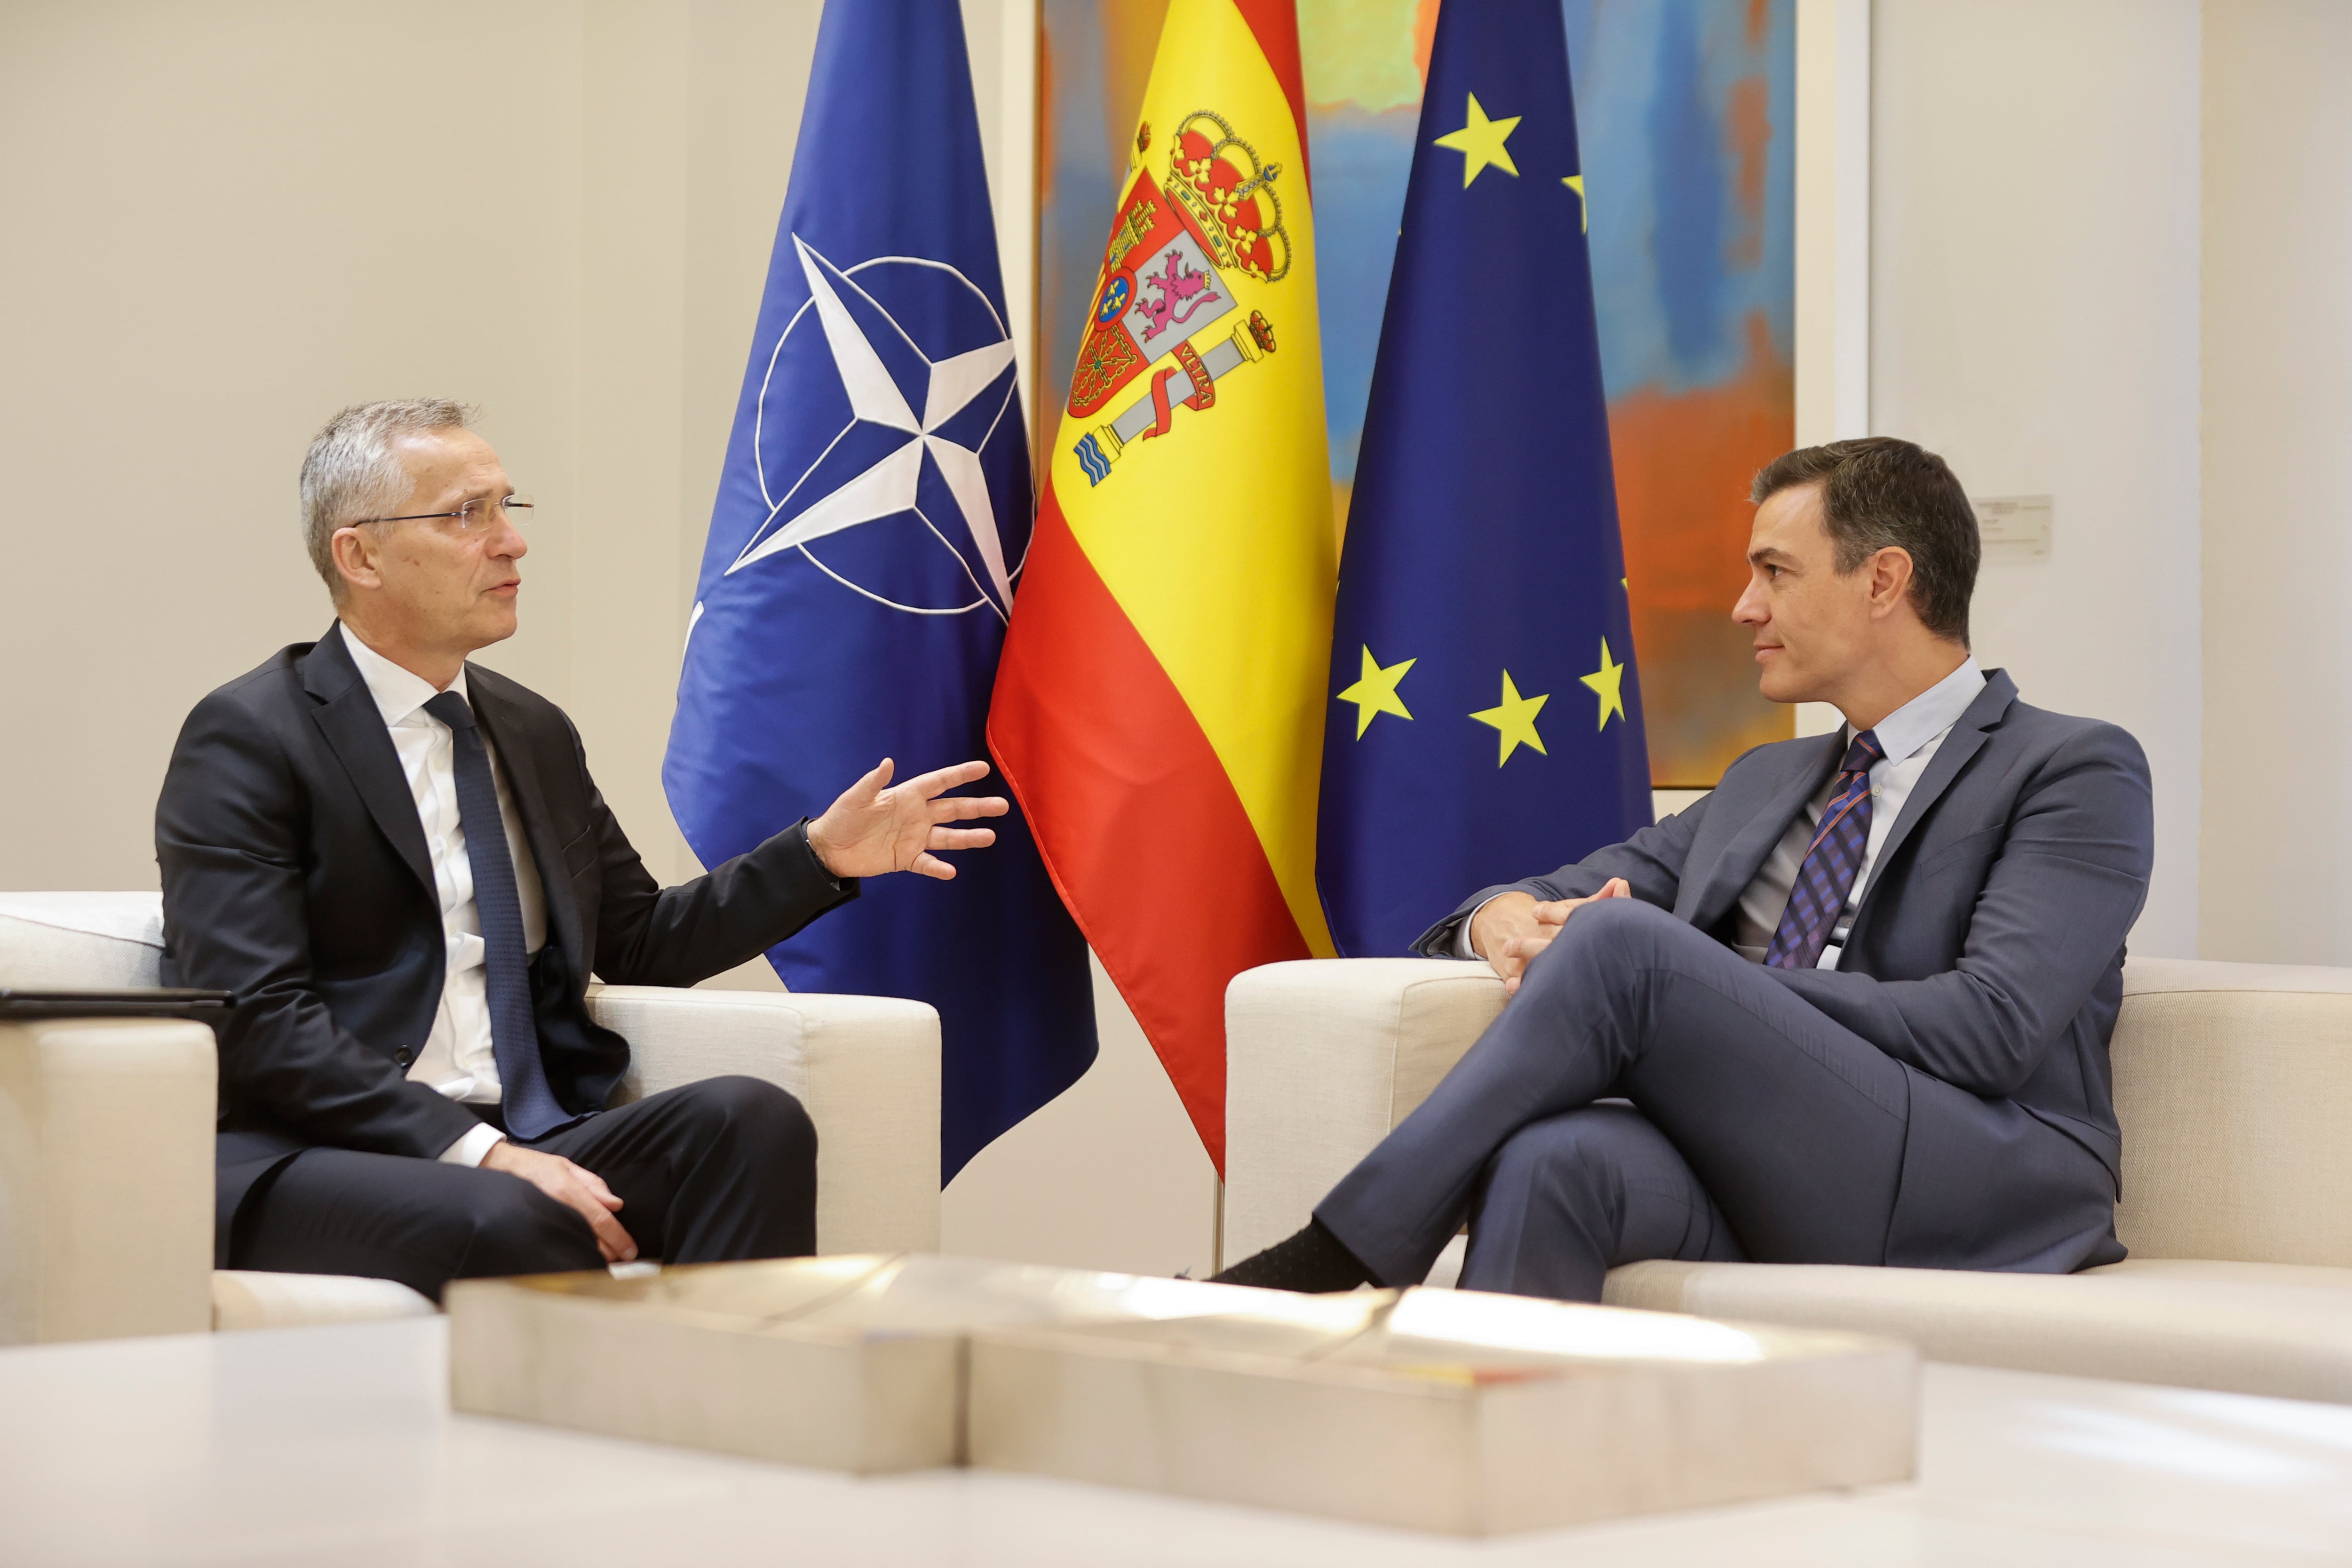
2233	1083
106	1158
1322	1057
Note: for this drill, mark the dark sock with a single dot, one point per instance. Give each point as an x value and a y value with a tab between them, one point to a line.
1313	1261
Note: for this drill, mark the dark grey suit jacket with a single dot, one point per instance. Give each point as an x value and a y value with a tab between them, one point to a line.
296	874
1987	949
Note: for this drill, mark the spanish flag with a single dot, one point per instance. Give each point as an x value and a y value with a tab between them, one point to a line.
1158	709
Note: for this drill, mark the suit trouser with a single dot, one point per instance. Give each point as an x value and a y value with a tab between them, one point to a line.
1758	1127
706	1172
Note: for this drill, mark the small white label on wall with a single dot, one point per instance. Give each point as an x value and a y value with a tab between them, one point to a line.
2014	528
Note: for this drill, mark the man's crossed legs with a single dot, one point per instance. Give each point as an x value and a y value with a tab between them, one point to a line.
1758	1129
709	1172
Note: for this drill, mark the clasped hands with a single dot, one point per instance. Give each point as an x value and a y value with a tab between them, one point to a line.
1510	929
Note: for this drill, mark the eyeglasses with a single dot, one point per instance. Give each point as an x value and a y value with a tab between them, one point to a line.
474	515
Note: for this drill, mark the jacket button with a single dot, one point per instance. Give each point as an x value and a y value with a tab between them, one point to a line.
403	1058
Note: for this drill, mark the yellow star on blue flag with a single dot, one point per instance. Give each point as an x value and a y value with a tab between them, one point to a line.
1375	692
1481	141
1514	719
1608	684
1482	535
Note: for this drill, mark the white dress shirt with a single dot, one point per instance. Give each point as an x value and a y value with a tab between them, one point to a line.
457	1060
1909	737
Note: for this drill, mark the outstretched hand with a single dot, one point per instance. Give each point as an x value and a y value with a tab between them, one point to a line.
878	827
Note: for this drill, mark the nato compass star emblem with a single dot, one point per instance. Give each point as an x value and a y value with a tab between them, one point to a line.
924	362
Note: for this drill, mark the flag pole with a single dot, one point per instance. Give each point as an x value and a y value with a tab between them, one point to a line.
1217	1232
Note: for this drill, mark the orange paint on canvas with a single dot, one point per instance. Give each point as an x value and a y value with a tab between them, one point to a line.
1747	127
1683	462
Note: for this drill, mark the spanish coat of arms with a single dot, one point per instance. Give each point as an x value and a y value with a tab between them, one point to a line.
1164	286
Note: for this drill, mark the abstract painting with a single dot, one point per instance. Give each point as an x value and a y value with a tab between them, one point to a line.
1686	112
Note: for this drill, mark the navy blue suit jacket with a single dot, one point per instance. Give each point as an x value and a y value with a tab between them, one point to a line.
1988	947
296	874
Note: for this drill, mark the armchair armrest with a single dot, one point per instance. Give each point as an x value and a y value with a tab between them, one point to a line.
2233	1083
105	1178
1322	1057
866	1068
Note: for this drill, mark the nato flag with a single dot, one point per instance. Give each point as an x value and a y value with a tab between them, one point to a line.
868	534
1486	721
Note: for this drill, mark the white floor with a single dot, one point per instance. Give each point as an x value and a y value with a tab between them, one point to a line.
1109	1175
336	1446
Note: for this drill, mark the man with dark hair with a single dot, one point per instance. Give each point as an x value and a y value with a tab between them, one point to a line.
1852	1007
397	862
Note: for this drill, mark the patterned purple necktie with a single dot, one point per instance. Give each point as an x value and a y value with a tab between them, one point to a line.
1831	862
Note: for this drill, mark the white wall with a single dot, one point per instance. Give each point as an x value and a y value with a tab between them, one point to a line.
2278	506
1833	236
225	221
2034	317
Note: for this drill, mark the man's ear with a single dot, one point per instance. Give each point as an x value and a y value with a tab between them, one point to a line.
354	552
1890	581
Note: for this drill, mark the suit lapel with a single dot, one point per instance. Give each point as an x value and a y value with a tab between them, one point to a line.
1743	857
354	730
1966	739
510	733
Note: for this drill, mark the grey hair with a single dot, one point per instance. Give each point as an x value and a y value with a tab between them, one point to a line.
352	471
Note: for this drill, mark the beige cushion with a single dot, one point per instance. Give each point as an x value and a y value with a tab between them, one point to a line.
2233	1083
1323	1056
867	1068
81	941
106	1177
2251	1328
243	1298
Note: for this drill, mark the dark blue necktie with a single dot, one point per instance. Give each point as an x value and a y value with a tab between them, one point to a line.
1830	864
529	1107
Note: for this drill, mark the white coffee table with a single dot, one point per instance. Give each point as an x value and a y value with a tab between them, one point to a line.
311	1446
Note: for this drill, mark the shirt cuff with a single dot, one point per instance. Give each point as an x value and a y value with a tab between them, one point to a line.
840	884
469	1149
1462	948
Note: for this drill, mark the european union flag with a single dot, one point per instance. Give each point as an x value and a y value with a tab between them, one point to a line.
870	527
1487	722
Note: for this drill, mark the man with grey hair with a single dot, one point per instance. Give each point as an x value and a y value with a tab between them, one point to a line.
398	864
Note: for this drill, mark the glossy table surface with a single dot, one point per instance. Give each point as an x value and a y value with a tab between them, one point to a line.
336	1444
